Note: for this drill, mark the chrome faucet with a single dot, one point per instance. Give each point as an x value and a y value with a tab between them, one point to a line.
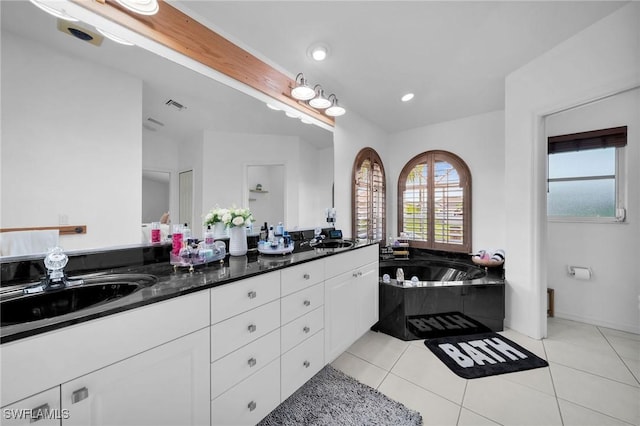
56	279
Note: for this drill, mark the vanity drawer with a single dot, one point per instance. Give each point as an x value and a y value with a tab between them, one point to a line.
240	296
301	302
350	260
301	363
302	328
250	400
244	362
299	277
229	335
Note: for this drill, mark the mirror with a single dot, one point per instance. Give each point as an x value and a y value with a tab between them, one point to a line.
266	193
80	122
156	190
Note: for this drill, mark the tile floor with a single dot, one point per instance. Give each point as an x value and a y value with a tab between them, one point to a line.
593	378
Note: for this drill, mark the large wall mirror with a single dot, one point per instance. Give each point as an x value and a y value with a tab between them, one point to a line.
82	120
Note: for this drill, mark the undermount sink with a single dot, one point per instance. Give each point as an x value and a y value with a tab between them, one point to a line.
333	244
94	291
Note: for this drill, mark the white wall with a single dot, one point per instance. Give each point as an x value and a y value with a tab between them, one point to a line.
601	60
70	146
479	141
610	250
352	133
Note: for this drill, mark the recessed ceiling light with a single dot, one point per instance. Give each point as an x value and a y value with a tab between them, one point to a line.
407	97
318	52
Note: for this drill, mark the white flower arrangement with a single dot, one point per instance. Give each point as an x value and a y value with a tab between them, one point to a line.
238	217
230	217
216	215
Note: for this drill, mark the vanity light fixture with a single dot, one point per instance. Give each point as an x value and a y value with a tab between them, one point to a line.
302	91
54	12
143	7
320	101
334	110
114	37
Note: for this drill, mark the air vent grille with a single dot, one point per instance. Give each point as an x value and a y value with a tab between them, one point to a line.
175	104
154	121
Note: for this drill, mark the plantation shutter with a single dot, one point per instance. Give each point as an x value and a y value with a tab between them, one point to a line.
369	196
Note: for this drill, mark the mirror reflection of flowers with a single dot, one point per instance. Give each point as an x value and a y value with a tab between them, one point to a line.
216	215
237	217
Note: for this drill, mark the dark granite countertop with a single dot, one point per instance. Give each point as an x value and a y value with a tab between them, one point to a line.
170	283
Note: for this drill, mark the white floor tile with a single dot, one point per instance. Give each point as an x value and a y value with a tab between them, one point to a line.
379	349
510	403
573	332
469	418
575	415
627	348
533	345
435	410
421	367
538	379
360	369
634	366
619	333
606	396
602	361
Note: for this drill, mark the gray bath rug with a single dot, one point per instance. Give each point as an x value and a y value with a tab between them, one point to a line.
333	398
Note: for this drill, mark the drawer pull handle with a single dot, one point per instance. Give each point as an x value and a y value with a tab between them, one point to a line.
359	273
79	395
306	276
39	413
306	303
355	275
251	362
306	329
252	294
252	406
252	328
306	364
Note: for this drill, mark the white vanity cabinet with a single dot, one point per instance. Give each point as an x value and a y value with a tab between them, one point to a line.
245	349
351	298
139	361
166	385
42	409
302	333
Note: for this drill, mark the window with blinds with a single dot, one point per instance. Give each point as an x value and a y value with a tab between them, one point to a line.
369	198
434	205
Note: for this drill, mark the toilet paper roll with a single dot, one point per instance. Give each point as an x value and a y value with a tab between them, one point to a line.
582	273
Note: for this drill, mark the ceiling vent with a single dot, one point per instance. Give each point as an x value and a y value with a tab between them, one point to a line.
175	104
154	121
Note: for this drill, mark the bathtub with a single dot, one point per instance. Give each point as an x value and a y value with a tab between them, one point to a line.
449	297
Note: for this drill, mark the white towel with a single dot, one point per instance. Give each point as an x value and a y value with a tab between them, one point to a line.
19	243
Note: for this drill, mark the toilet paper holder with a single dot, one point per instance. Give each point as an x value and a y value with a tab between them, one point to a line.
580	272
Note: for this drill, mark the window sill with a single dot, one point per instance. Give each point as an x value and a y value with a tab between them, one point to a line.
593	220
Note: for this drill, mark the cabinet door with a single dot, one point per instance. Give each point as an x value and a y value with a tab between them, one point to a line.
367	288
167	385
42	409
340	314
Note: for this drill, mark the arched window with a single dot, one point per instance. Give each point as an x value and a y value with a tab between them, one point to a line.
369	196
434	202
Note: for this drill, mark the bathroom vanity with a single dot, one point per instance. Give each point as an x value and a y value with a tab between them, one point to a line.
223	345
